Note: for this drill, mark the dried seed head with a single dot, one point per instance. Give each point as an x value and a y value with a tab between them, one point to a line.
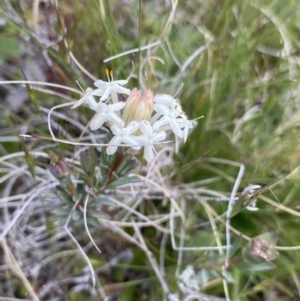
263	249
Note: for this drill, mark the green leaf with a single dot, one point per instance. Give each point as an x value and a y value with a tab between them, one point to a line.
102	182
252	267
76	215
203	277
98	214
124	181
104	200
63	211
64	196
228	277
92	221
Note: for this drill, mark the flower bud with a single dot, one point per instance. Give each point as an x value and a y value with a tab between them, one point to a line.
138	107
88	160
58	167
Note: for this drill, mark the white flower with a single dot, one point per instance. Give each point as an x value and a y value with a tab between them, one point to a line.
111	86
123	135
169	117
107	112
88	98
186	125
148	138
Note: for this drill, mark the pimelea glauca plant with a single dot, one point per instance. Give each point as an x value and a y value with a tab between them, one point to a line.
140	122
135	121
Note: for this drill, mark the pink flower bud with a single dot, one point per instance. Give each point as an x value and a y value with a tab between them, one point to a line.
138	107
59	167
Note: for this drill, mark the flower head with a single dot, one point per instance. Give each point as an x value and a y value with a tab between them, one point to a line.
132	122
263	249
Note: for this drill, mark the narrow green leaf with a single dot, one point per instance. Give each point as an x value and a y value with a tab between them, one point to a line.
76	215
203	277
228	277
63	211
124	181
98	214
104	200
92	221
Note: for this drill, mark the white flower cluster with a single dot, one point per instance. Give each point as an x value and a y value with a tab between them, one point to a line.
141	121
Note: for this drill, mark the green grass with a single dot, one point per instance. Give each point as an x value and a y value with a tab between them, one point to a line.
244	80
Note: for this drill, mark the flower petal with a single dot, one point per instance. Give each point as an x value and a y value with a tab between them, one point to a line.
121	82
165	99
117	106
132	141
121	90
79	102
114	118
113	145
106	94
98	121
90	100
97	92
161	122
161	109
146	128
175	128
111	149
132	127
149	153
160	136
116	128
101	84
